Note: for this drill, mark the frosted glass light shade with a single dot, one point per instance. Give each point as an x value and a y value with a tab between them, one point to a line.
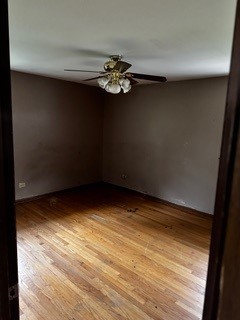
121	81
127	89
114	88
114	85
103	82
125	84
107	87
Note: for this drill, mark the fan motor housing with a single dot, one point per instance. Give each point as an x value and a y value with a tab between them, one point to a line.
109	65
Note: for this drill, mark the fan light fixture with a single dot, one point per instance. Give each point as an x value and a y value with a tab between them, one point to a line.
115	83
114	79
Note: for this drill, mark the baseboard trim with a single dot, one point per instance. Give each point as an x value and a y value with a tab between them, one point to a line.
55	193
164	202
121	188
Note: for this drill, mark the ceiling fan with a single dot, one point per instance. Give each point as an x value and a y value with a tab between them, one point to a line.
115	77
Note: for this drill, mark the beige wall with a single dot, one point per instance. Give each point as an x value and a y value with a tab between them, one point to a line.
57	134
166	138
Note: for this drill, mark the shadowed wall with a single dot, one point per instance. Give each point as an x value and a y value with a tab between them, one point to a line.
166	139
57	134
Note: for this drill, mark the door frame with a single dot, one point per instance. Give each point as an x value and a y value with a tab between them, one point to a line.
9	304
227	208
226	217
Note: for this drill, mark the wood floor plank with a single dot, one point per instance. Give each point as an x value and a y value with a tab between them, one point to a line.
104	253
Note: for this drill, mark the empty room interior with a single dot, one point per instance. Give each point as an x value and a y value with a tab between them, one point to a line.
118	112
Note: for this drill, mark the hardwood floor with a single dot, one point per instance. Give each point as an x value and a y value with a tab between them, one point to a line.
103	253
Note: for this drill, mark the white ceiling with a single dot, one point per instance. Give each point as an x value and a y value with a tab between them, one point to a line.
180	39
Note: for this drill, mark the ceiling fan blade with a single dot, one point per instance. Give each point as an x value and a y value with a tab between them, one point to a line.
122	66
76	70
148	77
92	79
132	81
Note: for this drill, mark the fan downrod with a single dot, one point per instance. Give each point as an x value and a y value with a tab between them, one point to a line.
116	57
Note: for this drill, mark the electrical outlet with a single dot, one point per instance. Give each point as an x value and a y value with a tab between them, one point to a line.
124	176
21	185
